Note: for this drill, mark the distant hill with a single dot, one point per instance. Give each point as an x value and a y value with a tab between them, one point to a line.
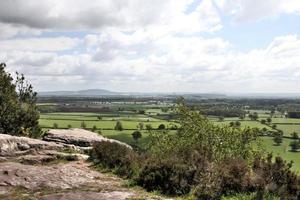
90	92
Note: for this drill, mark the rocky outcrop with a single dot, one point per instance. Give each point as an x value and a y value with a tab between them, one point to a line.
77	137
51	170
12	145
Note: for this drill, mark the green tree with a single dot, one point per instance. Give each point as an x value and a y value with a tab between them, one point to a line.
255	116
221	119
199	135
237	124
278	138
55	125
165	109
272	112
83	125
295	136
99	117
148	127
18	110
69	126
295	145
269	120
161	127
119	126
94	128
263	121
141	126
136	135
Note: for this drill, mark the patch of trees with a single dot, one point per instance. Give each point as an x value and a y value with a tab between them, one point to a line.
18	110
224	112
294	114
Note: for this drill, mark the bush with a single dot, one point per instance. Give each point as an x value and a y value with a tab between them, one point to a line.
83	125
166	176
161	127
235	175
55	125
121	159
277	177
209	187
295	145
119	126
149	127
136	135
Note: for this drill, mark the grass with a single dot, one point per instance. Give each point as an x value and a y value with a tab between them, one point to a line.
283	150
47	121
244	123
288	128
125	136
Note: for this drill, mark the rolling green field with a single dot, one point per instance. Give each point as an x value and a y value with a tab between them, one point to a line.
107	122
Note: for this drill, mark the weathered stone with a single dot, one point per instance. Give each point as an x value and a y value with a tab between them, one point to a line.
10	145
116	195
78	137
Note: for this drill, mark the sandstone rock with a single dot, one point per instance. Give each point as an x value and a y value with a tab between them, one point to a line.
116	195
78	137
9	145
60	176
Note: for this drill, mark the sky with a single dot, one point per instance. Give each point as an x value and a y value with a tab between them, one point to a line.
199	46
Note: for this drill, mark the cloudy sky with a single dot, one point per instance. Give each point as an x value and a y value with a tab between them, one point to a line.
154	45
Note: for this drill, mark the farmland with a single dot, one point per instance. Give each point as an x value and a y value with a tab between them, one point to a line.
138	115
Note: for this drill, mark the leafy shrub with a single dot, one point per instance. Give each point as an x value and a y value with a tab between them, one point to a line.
118	157
277	177
235	176
119	126
161	127
209	187
136	135
166	176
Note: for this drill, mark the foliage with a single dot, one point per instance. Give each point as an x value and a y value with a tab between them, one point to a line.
198	133
141	126
83	125
295	135
167	176
277	177
119	126
295	145
161	127
278	138
18	110
136	135
94	128
149	127
55	125
118	157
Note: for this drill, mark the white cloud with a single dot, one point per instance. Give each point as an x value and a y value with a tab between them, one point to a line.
39	44
170	63
168	15
253	10
141	45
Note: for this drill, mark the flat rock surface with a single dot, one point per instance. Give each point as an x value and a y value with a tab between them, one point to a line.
63	181
76	136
